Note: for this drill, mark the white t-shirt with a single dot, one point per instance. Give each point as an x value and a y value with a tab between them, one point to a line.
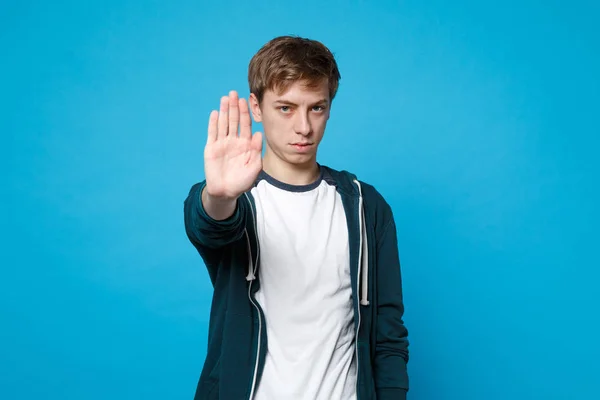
305	292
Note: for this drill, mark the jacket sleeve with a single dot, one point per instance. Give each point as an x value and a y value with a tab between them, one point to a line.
208	235
391	351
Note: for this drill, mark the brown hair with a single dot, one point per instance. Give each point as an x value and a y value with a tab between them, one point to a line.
287	59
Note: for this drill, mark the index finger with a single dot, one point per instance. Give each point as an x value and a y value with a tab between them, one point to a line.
245	121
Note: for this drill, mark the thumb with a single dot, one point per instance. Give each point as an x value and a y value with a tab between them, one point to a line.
257	141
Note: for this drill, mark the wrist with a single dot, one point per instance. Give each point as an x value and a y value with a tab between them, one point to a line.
218	199
218	207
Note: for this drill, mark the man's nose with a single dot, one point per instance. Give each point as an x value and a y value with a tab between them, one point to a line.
302	124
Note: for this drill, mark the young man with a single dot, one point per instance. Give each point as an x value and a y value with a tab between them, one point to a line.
303	258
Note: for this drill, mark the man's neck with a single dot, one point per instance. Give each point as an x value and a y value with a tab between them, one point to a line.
297	175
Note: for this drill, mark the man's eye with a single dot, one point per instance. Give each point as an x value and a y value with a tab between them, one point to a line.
318	108
284	108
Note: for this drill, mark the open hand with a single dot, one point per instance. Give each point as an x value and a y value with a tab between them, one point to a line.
232	161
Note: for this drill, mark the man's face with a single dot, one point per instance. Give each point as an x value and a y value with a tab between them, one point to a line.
294	121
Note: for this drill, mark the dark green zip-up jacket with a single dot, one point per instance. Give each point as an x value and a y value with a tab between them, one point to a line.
237	340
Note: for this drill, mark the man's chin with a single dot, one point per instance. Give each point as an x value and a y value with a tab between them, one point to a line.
301	159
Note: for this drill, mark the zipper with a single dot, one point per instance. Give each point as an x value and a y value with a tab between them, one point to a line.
255	375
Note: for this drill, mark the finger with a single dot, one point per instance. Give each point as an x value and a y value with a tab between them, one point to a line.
245	121
234	113
223	118
212	126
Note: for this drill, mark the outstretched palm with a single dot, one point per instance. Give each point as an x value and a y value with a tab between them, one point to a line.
231	161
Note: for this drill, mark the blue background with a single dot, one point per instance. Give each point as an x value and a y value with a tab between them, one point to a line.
478	123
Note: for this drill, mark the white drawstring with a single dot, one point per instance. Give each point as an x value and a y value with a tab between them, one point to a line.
251	266
250	276
363	251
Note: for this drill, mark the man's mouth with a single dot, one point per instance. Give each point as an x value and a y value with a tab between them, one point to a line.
301	146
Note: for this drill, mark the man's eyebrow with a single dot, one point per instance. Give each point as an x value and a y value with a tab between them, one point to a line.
289	103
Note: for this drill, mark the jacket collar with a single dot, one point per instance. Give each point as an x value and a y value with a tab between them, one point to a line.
343	180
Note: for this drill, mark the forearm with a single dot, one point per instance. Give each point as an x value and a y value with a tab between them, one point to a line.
391	394
217	208
205	231
391	352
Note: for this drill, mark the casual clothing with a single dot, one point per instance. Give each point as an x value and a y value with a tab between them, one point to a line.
288	269
305	291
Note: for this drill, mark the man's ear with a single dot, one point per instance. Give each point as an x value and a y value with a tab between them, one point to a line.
255	108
